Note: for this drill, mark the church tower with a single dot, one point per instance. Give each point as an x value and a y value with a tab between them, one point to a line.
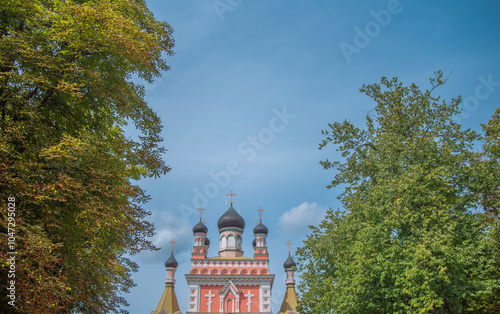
168	302
229	282
290	300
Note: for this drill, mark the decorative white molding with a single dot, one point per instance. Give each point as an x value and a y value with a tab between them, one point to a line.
222	293
221	280
265	298
232	308
193	298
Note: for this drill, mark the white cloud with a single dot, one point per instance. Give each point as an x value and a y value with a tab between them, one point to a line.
298	218
168	227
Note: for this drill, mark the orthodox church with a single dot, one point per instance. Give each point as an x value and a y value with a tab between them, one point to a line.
229	282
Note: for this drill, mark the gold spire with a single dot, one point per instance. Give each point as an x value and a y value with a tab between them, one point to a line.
231	196
168	301
290	300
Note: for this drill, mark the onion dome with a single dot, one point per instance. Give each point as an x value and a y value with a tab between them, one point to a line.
207	242
260	228
231	218
171	262
254	242
200	227
289	263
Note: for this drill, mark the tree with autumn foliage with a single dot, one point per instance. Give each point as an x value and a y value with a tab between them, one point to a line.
65	96
417	233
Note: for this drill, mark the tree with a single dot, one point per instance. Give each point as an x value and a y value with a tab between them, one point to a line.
412	237
490	160
65	96
488	184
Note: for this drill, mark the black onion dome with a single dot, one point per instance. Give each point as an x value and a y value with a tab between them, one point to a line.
231	218
289	263
200	227
207	241
171	262
260	228
254	242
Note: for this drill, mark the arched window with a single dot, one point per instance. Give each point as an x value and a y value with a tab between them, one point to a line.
230	241
199	241
223	242
238	242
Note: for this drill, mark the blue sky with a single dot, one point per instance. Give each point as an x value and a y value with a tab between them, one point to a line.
253	83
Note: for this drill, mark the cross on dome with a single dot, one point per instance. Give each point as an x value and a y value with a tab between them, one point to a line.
172	245
231	196
289	243
201	209
260	228
260	210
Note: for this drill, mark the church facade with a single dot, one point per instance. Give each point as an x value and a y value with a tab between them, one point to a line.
229	282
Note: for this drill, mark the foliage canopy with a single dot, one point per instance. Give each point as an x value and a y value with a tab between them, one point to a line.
65	96
414	236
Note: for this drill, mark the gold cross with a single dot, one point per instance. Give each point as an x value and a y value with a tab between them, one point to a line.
289	243
231	195
201	209
260	210
203	221
172	242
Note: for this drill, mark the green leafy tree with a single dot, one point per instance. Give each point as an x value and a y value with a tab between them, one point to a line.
66	95
490	159
412	237
488	186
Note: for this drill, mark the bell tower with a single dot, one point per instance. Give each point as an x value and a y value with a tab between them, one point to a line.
290	300
259	243
168	302
231	226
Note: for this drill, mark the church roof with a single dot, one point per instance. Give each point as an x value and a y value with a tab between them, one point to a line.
200	227
171	261
290	301
168	302
231	218
260	228
289	263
